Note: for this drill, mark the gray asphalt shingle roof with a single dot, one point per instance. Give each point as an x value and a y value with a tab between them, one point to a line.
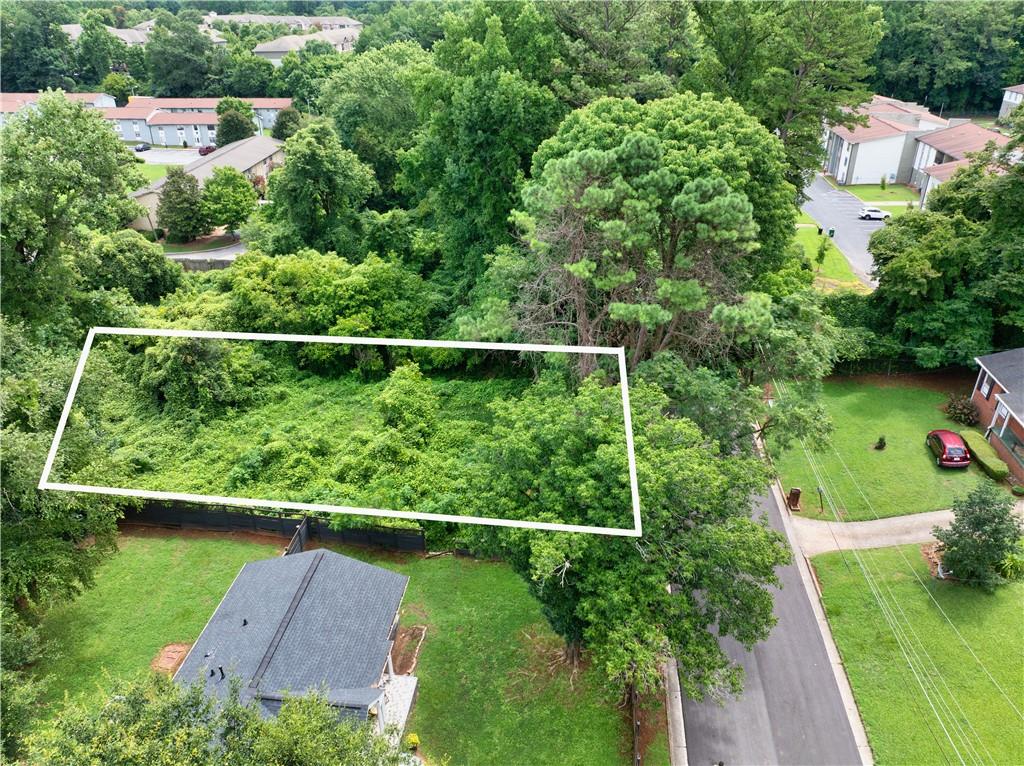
313	621
1008	368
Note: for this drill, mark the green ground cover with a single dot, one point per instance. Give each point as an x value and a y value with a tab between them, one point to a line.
489	692
803	217
900	479
308	438
891	192
900	725
835	272
153	171
212	243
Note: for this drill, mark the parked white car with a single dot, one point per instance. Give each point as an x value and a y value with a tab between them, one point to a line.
873	214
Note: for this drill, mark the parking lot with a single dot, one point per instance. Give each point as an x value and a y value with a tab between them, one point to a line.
834	208
160	156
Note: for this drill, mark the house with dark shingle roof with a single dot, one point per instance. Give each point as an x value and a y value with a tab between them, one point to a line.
314	621
999	397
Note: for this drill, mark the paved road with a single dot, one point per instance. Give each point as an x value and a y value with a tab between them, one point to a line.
791	711
170	156
833	208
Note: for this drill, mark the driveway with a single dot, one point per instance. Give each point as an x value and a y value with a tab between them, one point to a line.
833	208
170	156
791	711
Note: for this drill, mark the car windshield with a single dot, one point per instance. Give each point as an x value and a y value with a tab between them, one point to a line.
954	451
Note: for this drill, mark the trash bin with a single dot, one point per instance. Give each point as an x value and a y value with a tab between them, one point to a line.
820	231
831	232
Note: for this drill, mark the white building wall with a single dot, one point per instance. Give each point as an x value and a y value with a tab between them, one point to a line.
876	159
924	157
1011	101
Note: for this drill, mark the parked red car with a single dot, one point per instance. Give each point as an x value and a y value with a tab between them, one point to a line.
949	449
204	150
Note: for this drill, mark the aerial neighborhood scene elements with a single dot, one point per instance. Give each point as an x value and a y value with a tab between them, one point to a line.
519	382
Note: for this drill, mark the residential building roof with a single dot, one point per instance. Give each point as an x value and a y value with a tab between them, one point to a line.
307	621
240	155
881	105
127	36
291	21
12	102
875	129
183	118
1007	367
298	42
204	103
1015	88
959	140
946	170
127	113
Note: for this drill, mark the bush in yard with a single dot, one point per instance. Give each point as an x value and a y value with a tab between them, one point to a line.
408	402
961	409
125	259
180	211
154	720
985	455
1012	567
228	198
984	532
197	374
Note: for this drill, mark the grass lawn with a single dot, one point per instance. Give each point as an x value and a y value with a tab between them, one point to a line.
198	245
155	591
488	693
875	192
152	171
835	272
896	208
900	479
900	725
802	217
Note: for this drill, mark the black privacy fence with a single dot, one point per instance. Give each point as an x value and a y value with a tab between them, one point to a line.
301	529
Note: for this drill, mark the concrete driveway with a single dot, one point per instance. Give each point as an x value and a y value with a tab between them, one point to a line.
791	710
169	156
833	208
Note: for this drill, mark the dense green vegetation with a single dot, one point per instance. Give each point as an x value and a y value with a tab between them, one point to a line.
890	700
900	479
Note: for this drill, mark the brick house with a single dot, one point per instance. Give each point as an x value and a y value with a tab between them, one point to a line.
999	397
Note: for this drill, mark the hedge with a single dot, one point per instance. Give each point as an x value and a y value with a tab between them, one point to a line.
985	455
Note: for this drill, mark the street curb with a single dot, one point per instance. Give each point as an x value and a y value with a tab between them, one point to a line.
860	736
674	708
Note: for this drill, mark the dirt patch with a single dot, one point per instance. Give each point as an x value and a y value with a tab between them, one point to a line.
406	650
651	721
933	556
956	381
545	661
146	530
169	659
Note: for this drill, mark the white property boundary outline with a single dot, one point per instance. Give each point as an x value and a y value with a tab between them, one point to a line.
619	353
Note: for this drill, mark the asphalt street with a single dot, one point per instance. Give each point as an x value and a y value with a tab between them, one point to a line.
833	208
790	711
170	156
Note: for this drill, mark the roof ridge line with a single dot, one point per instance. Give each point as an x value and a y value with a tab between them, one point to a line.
286	620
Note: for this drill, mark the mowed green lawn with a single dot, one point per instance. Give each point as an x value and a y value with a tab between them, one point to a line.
835	272
153	171
900	479
488	693
875	192
900	725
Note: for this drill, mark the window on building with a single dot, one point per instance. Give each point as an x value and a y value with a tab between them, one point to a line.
135	128
117	127
181	134
163	136
195	133
212	133
986	385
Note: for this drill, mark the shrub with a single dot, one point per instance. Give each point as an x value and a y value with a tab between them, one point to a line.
883	183
985	456
961	409
983	534
412	741
880	444
1012	567
408	402
1018	490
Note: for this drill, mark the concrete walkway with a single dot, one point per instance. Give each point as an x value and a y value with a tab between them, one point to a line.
818	536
